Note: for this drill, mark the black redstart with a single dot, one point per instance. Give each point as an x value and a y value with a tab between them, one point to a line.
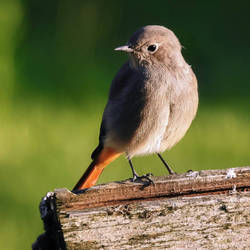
152	102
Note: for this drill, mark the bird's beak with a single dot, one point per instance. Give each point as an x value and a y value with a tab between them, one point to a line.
125	48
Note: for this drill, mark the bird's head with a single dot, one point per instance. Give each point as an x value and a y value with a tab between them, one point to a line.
152	45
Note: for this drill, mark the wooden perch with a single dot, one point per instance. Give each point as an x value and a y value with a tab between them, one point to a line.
205	209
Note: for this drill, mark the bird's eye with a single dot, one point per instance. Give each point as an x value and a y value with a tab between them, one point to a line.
152	48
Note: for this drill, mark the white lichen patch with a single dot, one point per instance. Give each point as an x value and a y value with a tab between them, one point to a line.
193	174
233	191
48	195
230	173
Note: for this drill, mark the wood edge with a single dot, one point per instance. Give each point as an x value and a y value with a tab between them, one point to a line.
227	177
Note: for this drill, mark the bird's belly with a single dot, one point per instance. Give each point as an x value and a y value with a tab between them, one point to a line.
162	130
174	134
152	144
149	136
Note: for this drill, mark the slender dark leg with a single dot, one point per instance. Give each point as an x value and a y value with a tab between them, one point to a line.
136	177
166	165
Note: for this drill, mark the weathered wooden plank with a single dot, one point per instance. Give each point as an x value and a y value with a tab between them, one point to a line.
191	183
206	210
204	222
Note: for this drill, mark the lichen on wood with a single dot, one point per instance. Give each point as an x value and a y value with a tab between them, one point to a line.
197	210
189	222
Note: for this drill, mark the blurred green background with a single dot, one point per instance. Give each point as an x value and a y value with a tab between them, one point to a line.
56	65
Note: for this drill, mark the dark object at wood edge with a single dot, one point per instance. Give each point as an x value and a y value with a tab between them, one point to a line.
52	239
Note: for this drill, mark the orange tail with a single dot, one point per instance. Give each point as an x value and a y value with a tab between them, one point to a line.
90	177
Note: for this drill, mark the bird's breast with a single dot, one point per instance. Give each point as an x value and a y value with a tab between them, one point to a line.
154	116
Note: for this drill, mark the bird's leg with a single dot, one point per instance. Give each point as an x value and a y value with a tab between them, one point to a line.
136	177
166	165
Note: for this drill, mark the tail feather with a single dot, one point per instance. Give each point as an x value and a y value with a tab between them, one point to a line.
91	175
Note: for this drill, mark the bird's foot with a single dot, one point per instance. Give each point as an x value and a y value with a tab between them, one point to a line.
171	172
141	179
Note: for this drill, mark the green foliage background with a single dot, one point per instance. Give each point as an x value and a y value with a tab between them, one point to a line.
56	65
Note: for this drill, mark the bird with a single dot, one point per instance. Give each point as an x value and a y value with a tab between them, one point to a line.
152	102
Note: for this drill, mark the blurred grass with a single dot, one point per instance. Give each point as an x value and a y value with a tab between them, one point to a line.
42	148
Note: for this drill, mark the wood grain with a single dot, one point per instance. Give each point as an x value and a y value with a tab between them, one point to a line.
197	210
204	222
192	183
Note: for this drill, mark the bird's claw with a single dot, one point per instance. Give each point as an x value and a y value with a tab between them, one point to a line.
172	172
142	178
